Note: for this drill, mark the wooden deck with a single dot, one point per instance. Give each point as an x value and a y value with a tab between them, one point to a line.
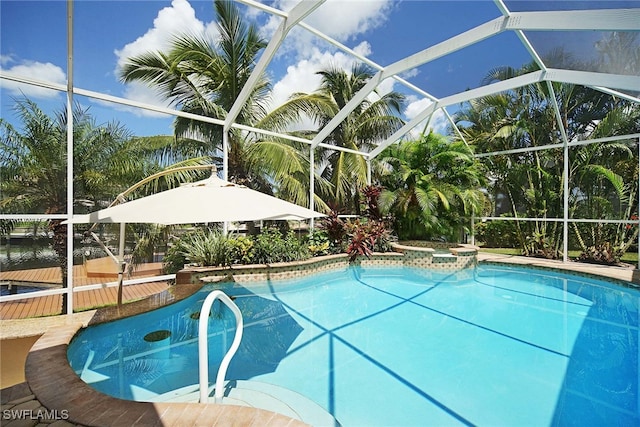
100	271
93	272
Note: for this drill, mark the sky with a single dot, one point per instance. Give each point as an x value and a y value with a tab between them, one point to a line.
33	43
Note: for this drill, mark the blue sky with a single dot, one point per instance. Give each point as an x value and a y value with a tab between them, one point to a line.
33	43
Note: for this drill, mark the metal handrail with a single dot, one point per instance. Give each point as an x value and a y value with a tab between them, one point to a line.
203	352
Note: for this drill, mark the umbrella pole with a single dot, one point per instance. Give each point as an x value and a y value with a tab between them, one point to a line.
118	261
121	269
122	265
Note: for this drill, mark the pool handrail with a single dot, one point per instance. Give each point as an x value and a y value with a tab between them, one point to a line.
203	354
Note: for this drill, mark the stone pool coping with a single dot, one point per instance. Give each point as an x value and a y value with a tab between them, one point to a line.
629	275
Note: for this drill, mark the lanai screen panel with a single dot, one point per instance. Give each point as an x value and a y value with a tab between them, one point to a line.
603	179
614	52
32	55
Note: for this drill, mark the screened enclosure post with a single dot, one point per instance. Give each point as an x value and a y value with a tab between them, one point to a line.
225	155
565	153
312	183
473	229
122	265
368	171
69	266
225	169
565	222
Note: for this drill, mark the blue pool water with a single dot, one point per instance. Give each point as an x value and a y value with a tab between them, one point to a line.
497	345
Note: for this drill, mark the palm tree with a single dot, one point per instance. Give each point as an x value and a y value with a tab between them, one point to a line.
604	179
205	77
107	160
531	182
34	166
370	123
436	185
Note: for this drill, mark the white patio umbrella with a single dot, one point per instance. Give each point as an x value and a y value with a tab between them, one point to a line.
209	200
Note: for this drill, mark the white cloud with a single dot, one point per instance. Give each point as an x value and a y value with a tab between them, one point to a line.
341	19
46	72
141	93
439	121
5	59
410	73
386	86
302	76
171	21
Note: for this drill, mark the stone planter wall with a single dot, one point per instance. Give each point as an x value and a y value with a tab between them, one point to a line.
457	259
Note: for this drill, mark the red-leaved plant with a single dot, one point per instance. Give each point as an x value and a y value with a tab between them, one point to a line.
335	229
365	237
371	195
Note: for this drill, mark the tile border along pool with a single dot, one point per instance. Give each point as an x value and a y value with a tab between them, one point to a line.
52	384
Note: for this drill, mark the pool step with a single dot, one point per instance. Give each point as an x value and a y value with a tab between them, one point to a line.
261	395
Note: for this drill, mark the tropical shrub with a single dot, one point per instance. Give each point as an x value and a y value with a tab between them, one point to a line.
539	245
174	259
272	246
318	243
432	186
497	234
371	194
241	250
603	253
604	243
603	176
203	248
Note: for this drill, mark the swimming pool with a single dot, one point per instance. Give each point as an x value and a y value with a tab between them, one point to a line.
497	345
